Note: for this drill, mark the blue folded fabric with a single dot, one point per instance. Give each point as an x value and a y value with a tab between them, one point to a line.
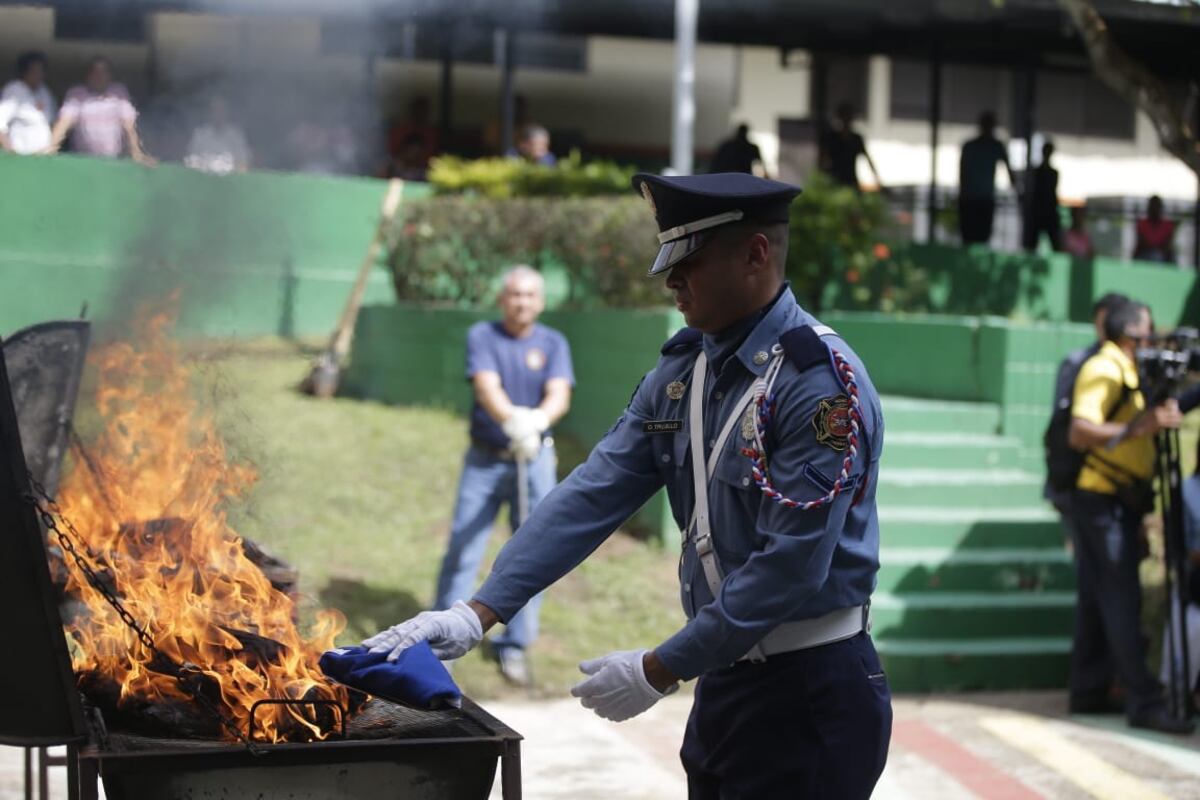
416	678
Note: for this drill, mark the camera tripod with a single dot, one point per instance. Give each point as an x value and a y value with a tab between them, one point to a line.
1170	498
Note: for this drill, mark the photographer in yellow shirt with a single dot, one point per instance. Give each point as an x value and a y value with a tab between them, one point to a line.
1112	496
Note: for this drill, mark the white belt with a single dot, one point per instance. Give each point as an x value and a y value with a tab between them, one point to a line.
805	633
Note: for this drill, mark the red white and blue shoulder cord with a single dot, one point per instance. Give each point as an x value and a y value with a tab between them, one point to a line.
764	402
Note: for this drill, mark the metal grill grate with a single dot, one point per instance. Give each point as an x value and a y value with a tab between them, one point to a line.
377	720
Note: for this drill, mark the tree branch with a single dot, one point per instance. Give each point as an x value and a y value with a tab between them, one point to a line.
1133	82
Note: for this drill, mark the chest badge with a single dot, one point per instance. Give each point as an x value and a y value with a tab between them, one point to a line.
831	421
749	422
535	358
675	390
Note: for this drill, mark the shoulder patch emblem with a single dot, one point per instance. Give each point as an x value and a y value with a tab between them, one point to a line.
831	421
675	390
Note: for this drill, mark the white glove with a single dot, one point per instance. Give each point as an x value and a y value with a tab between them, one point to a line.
618	688
450	633
527	448
525	422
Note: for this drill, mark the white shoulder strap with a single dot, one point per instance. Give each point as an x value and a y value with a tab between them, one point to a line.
699	528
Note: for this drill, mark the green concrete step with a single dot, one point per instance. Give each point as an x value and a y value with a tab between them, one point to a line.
959	488
974	528
938	569
908	414
907	450
967	615
927	665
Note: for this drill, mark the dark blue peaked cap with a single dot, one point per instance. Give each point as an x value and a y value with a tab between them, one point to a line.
688	207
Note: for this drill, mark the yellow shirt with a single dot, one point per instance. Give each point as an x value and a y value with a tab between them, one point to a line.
1097	392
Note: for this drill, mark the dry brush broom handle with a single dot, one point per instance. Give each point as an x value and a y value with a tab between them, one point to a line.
339	344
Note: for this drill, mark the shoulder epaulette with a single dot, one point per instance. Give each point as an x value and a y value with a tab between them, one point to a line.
803	347
686	339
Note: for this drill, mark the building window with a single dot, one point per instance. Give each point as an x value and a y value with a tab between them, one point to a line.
967	91
910	89
847	82
103	24
531	50
1080	105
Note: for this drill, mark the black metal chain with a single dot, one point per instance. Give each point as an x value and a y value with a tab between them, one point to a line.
187	675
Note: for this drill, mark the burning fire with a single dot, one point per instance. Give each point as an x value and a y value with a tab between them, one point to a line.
150	503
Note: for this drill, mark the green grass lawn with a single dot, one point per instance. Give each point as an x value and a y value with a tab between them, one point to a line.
359	496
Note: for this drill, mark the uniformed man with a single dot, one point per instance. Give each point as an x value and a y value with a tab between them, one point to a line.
766	431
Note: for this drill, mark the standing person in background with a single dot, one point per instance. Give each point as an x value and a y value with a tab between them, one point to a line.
217	145
533	145
1063	472
977	181
841	147
1075	240
27	107
1112	495
102	117
1155	235
522	377
738	154
413	141
1042	214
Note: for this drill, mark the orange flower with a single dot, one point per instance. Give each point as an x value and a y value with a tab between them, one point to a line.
851	276
881	251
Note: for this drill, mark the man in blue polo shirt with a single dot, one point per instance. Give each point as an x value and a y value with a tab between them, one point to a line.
522	377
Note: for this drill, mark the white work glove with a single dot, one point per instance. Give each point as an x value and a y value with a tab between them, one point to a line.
450	633
527	449
617	688
525	422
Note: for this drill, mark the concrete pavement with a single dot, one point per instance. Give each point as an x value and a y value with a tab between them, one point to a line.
1003	746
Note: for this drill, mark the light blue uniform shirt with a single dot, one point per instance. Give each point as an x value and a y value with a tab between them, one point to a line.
780	563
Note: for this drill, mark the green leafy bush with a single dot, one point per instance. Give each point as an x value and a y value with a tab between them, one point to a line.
454	249
512	177
835	238
492	213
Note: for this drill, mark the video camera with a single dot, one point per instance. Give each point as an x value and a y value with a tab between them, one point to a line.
1165	362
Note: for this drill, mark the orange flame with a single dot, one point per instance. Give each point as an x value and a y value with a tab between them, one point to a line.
160	457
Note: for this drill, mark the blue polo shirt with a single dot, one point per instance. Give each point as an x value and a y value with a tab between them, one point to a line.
524	365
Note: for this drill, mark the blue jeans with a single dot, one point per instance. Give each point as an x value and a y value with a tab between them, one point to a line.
488	482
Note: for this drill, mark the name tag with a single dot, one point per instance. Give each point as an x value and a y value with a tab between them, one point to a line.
662	426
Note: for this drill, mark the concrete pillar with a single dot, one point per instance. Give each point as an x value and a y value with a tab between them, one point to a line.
683	105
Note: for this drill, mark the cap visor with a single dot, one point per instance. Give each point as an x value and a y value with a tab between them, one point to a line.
675	251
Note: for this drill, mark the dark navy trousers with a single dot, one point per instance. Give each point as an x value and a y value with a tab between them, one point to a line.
812	723
1108	614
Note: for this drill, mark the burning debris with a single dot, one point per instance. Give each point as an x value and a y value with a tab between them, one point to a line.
149	504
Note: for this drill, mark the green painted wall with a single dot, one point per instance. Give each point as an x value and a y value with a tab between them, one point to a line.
976	280
1172	294
1050	287
253	254
982	359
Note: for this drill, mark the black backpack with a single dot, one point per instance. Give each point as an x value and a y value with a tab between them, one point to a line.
1064	462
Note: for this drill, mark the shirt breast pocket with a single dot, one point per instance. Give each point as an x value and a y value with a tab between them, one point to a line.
670	458
735	499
